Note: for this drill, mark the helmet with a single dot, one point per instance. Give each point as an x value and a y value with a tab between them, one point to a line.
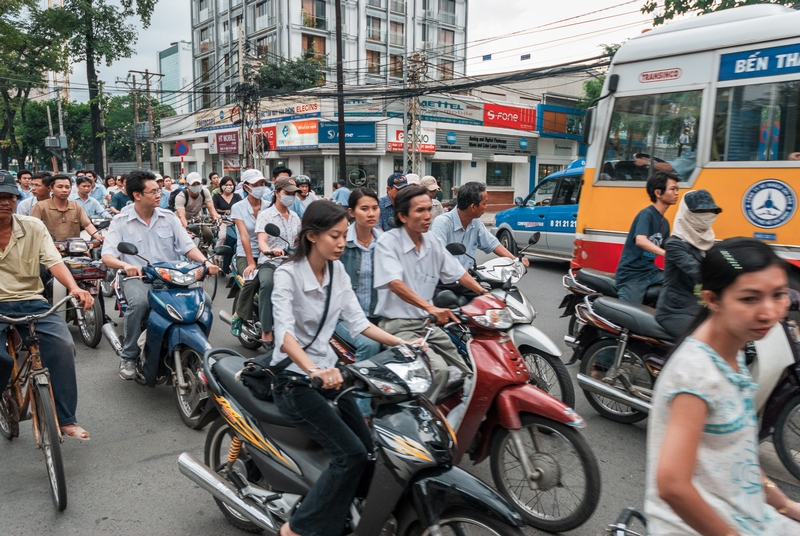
302	179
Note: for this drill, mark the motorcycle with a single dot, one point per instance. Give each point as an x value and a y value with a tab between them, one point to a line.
175	333
622	349
541	355
102	228
539	460
258	467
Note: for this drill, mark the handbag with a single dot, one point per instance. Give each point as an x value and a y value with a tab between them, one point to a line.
259	374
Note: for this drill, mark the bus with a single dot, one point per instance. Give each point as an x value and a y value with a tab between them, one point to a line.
714	98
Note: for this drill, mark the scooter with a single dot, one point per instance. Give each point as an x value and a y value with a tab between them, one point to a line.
540	462
540	353
175	334
259	467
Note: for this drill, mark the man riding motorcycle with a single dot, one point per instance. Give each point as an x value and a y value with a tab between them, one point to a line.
190	203
159	237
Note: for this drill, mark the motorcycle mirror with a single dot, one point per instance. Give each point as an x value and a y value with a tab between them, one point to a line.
103	224
272	230
446	299
534	238
223	250
127	248
456	248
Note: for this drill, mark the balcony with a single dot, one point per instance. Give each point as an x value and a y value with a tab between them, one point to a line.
446	17
376	35
447	50
205	76
312	21
377	3
205	46
398	6
265	21
397	39
203	15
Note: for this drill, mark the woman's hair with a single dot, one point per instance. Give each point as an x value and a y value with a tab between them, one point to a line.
358	193
225	180
109	179
319	217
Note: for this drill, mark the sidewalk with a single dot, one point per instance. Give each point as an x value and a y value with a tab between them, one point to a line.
488	219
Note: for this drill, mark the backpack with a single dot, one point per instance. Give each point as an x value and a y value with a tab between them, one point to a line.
173	195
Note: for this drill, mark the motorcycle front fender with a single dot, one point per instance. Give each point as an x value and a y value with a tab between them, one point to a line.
160	329
191	335
530	335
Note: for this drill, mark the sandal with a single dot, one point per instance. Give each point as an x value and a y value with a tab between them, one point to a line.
76	432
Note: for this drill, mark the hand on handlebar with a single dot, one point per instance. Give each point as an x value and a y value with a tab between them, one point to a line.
84	297
277	252
443	316
331	378
132	271
212	268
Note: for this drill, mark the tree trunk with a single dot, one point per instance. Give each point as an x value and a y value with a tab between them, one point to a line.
94	105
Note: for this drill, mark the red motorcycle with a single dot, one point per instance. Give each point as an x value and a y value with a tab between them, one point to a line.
540	462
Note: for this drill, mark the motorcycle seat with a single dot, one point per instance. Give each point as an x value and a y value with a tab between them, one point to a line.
638	319
226	370
601	283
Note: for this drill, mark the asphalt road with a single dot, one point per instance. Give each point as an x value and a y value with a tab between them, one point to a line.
126	479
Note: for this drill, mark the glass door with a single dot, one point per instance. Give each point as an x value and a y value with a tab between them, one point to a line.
445	173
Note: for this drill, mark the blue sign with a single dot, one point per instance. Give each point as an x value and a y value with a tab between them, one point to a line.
765	236
181	148
760	62
451	138
356	135
523	143
525	57
769	203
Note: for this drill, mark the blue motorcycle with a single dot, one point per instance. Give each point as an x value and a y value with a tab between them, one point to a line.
174	334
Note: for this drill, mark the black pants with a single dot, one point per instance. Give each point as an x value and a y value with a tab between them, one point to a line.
346	441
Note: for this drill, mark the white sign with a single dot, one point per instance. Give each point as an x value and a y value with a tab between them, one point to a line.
426	143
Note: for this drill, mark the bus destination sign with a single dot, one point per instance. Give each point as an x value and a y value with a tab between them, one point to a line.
760	62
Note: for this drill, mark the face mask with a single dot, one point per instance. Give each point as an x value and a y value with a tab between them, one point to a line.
227	189
195	189
258	192
287	200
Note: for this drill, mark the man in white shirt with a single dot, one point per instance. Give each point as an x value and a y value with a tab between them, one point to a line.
409	262
90	205
40	186
304	194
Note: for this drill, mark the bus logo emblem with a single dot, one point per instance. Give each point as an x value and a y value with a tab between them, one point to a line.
769	203
660	76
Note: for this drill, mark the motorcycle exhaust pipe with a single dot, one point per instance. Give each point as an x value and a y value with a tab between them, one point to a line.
113	339
225	316
602	389
200	474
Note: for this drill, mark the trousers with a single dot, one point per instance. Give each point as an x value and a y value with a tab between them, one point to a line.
135	292
262	284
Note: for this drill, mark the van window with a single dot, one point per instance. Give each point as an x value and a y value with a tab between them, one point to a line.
568	191
543	194
757	122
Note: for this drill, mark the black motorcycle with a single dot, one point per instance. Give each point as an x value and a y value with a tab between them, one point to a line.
259	467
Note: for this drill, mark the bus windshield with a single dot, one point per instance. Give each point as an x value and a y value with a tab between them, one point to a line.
647	129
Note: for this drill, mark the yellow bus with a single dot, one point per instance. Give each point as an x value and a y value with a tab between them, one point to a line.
715	98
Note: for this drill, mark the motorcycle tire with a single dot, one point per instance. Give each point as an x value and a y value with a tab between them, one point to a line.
787	436
210	285
191	404
244	340
92	328
453	521
216	457
558	439
550	374
610	409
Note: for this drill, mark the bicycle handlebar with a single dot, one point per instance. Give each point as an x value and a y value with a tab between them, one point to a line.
30	318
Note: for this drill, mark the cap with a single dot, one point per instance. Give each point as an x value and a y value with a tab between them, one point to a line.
398	180
158	177
182	181
429	182
700	200
252	176
194	178
8	185
286	184
412	178
301	179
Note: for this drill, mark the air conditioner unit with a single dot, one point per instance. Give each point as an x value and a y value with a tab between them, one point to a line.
429	13
428	45
51	142
344	29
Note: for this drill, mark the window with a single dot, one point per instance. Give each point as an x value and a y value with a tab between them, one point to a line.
265	47
374	29
313	12
206	98
397	34
375	3
562	123
202	4
547	169
398	6
205	68
361	171
757	123
314	167
205	39
263	9
569	191
373	62
314	45
498	174
543	194
652	126
237	23
396	65
447	11
227	94
446	70
446	40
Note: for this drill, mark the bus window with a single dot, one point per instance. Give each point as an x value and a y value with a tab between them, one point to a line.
652	132
757	122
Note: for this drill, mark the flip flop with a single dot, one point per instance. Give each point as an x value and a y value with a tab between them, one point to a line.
76	432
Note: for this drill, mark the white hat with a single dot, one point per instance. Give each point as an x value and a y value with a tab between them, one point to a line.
429	182
194	178
412	178
252	176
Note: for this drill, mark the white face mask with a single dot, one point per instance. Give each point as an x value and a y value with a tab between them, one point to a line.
258	191
195	188
227	189
287	200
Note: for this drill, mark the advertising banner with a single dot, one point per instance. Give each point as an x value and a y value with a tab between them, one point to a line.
231	161
228	142
297	135
484	146
396	135
356	135
497	115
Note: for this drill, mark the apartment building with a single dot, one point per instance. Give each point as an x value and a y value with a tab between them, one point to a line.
175	63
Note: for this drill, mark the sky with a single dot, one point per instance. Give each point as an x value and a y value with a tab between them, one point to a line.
520	27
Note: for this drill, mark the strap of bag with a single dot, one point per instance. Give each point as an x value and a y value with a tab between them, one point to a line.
288	361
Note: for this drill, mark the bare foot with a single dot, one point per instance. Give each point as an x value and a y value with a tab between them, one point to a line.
76	432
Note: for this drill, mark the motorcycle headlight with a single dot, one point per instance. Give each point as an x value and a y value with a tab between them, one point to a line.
495	319
77	246
388	388
179	278
513	272
415	374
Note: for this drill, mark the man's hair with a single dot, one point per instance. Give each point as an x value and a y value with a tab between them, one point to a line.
59	177
23	172
470	194
136	181
212	174
167	177
81	180
123	177
41	175
341	183
657	181
402	203
281	169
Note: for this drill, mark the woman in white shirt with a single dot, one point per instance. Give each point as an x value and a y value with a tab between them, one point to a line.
298	300
703	473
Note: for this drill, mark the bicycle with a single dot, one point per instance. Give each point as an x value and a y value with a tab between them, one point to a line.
37	403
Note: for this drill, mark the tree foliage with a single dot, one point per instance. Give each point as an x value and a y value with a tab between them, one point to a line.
672	8
293	74
120	139
594	86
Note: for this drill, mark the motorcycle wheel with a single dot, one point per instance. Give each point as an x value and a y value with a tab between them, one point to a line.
787	436
458	521
548	373
569	486
92	328
193	401
597	359
244	340
218	443
210	285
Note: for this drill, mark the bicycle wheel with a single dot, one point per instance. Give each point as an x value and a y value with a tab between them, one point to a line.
210	285
50	443
9	416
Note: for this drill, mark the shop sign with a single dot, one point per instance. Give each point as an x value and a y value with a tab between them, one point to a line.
396	138
228	142
226	116
444	110
357	135
361	108
297	134
496	115
484	146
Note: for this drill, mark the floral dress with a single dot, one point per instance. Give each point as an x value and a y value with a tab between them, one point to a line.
727	473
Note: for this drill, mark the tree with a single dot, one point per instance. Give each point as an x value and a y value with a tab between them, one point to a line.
594	86
101	33
33	129
673	8
293	75
120	140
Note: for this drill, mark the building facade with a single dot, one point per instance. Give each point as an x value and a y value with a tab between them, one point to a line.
176	86
377	36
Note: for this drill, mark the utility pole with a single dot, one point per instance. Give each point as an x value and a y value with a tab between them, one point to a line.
150	120
244	94
50	125
64	161
136	125
340	93
413	135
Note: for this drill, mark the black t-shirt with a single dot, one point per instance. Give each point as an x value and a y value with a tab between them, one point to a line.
635	261
220	205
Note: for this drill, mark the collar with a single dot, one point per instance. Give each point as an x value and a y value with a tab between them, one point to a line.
406	244
309	279
52	205
457	220
17	229
352	237
385	201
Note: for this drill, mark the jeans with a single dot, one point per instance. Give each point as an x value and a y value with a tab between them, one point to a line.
346	441
56	348
441	353
633	290
135	292
365	348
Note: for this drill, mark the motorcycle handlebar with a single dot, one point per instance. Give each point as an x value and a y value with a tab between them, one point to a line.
53	309
347	376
